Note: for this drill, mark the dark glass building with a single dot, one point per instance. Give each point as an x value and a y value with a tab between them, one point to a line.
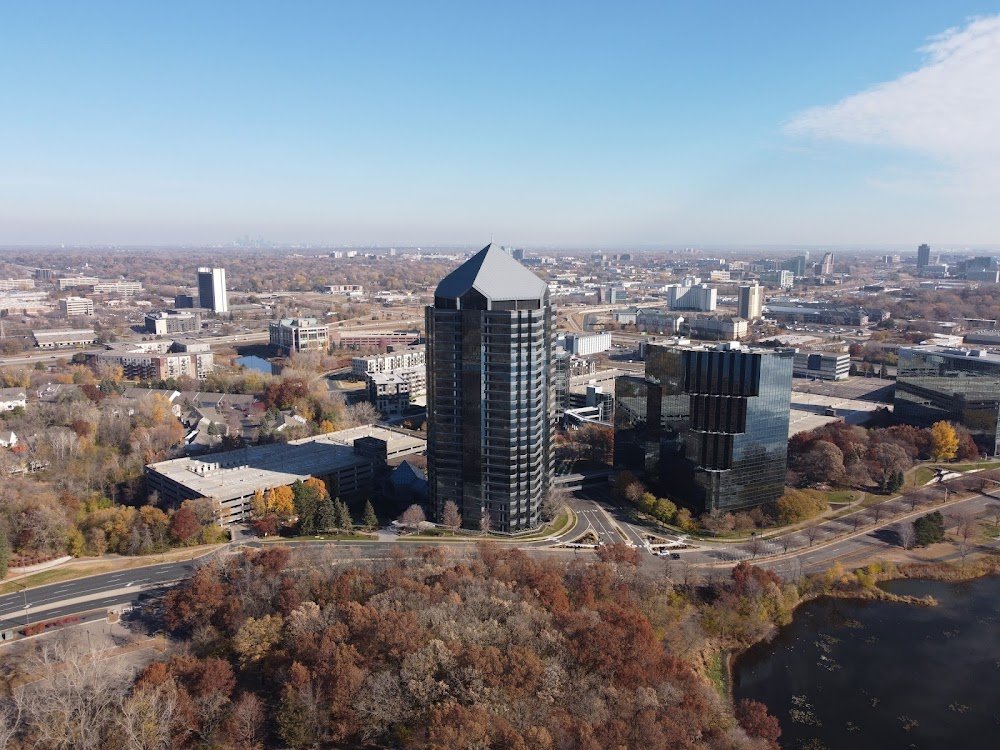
958	385
715	424
490	392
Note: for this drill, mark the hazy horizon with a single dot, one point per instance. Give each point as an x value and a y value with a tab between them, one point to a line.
771	125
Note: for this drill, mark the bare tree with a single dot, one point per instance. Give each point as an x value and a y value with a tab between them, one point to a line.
145	719
966	529
450	517
755	545
785	540
812	533
412	517
877	511
72	708
554	502
994	511
906	534
485	522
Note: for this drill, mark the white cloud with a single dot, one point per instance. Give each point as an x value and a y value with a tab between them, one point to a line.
949	108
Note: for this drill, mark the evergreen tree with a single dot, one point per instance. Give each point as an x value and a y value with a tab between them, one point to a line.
326	515
344	520
929	529
307	500
371	520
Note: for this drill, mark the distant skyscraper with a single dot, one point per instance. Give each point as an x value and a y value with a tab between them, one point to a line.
212	289
490	392
923	256
826	265
751	302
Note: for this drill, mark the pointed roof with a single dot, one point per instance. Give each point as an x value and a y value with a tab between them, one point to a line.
494	274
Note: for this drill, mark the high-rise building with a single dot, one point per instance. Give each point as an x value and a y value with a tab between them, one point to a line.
212	289
490	392
712	421
923	256
825	266
751	302
695	297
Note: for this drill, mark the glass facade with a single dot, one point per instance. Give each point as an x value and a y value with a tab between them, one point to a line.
490	408
959	385
716	421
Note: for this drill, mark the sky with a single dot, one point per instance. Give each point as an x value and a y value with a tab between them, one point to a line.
540	123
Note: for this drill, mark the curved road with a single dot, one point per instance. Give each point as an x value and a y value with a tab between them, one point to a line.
836	540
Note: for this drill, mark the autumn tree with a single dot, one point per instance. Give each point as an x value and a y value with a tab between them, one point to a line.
944	441
184	524
757	722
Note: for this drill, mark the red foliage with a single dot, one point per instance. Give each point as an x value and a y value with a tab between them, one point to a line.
757	722
184	524
749	579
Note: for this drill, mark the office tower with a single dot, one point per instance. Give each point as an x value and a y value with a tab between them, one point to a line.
751	302
490	392
923	256
212	289
826	265
711	422
935	383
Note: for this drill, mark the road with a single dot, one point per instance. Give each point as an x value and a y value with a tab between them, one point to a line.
595	511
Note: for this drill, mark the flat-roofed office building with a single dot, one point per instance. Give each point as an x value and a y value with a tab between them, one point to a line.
935	383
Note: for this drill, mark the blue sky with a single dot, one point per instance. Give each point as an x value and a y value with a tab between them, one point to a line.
669	123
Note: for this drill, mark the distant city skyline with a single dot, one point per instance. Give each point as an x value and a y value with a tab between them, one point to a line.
564	125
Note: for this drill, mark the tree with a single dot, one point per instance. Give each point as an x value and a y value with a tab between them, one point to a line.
683	520
929	529
823	463
184	524
886	461
450	517
370	519
795	506
343	516
4	553
485	522
666	511
905	534
256	637
412	517
307	499
944	441
326	515
281	501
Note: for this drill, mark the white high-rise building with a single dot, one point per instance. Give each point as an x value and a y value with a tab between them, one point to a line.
212	289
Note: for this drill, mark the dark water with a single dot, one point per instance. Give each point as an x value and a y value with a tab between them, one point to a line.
878	676
259	364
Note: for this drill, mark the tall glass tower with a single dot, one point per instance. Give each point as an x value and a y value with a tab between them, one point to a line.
490	392
212	289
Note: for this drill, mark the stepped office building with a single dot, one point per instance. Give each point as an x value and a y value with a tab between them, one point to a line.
490	392
713	422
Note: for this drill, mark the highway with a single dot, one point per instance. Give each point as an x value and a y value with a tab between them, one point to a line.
836	540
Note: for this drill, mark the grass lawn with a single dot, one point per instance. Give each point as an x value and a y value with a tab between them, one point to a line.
840	497
70	570
322	538
923	474
714	669
968	467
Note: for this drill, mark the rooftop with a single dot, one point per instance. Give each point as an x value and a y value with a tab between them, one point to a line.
494	274
233	474
954	352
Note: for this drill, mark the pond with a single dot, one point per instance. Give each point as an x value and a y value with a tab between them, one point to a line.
873	675
252	362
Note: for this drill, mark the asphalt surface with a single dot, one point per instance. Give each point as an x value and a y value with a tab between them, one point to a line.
791	555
